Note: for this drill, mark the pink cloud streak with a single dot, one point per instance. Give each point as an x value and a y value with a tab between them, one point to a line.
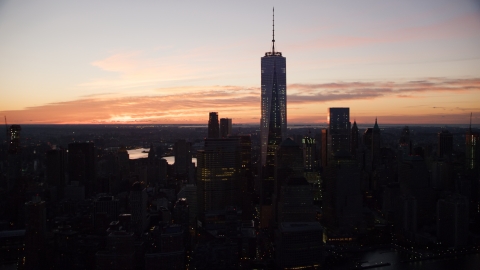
191	104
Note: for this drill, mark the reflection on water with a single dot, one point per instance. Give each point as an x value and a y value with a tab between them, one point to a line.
138	153
143	153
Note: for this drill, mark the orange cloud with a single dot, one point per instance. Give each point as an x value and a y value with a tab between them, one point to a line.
369	90
182	107
306	103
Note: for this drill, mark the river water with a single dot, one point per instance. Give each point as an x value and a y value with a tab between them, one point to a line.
143	153
460	262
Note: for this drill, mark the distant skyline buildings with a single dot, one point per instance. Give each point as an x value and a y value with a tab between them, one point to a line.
225	127
445	143
233	213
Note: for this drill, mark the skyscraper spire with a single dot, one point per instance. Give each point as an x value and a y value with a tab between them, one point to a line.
375	127
273	32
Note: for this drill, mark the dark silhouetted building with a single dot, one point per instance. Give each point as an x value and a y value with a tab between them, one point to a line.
405	136
119	252
445	143
295	203
288	163
189	192
354	139
405	142
299	245
35	229
218	174
376	145
180	213
472	143
413	177
342	199
56	170
14	139
81	165
14	169
157	168
338	130
213	126
138	208
225	127
452	221
183	156
247	184
171	255
12	248
310	164
309	153
105	210
324	147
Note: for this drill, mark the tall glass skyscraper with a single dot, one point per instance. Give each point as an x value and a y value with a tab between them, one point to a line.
339	131
213	126
273	122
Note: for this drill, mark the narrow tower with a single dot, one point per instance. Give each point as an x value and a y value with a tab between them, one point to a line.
213	126
273	122
354	139
472	143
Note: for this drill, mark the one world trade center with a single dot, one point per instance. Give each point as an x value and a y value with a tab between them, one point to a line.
273	122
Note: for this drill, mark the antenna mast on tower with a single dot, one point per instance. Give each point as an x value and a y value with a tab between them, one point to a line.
273	32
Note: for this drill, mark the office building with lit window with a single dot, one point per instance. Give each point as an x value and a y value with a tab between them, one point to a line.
218	175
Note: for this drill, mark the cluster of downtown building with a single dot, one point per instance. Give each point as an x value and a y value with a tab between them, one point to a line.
268	197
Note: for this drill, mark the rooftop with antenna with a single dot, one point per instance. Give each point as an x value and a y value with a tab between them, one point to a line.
273	52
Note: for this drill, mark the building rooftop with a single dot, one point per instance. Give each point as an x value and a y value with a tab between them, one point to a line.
12	233
288	143
299	226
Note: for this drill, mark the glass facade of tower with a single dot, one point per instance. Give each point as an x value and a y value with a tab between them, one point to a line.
213	126
274	100
218	174
472	144
339	130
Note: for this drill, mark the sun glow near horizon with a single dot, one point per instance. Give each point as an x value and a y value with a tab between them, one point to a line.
404	63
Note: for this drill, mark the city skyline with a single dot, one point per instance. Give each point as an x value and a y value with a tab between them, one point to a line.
405	63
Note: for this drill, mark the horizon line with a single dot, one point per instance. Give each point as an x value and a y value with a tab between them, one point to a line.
237	124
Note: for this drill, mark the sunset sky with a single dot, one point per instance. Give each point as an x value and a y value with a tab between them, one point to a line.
172	62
